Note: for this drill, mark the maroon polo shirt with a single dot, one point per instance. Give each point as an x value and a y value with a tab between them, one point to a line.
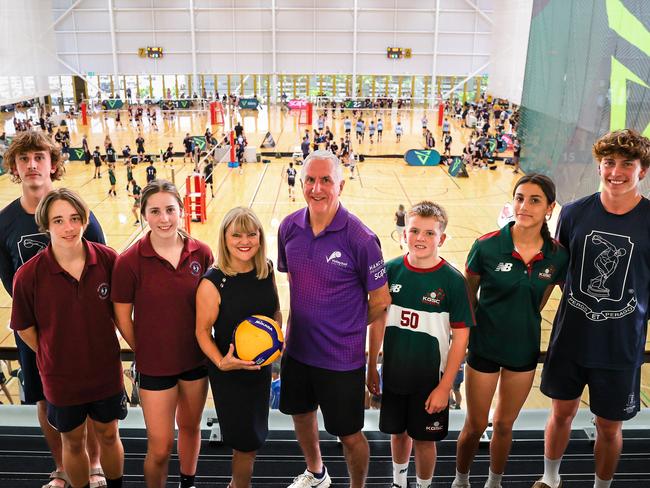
164	303
78	350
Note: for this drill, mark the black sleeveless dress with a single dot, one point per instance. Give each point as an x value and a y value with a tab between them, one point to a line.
241	397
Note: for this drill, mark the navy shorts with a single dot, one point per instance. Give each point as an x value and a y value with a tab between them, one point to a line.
160	383
613	393
66	419
340	394
484	365
405	412
31	378
241	399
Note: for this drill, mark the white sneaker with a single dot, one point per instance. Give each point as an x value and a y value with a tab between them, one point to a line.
460	484
307	480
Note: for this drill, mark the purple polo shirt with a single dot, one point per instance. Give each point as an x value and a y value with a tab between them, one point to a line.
330	276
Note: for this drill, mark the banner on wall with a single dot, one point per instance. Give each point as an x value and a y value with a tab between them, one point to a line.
597	80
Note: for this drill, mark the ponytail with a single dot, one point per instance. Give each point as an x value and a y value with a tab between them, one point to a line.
546	235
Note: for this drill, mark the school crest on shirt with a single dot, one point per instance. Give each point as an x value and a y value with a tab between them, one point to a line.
604	269
434	298
103	290
31	244
547	273
195	268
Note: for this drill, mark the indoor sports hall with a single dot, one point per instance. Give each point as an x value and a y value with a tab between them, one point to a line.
451	101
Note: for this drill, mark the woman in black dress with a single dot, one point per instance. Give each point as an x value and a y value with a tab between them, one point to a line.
241	284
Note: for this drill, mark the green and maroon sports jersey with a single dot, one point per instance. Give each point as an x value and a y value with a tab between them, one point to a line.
508	315
426	305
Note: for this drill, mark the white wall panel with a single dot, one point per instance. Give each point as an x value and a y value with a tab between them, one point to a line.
92	4
66	43
415	21
294	19
94	42
139	20
214	41
417	42
67	22
90	20
174	41
375	20
294	41
334	41
306	37
457	21
509	50
216	63
370	42
251	41
334	64
99	63
295	63
213	19
252	63
172	20
252	19
454	43
170	3
131	3
131	42
335	20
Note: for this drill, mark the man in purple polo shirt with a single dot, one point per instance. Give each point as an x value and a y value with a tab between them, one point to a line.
338	285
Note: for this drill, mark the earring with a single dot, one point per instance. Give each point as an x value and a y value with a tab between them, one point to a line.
548	217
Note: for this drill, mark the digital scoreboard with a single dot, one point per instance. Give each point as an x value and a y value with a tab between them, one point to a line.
398	52
150	52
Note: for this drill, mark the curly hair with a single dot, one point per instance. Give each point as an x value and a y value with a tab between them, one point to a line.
28	141
627	143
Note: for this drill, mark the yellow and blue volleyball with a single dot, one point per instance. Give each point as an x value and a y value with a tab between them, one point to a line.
259	339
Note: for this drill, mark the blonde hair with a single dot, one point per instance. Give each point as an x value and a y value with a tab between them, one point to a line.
43	210
429	209
244	220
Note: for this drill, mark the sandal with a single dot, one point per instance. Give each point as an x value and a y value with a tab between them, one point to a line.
100	483
57	475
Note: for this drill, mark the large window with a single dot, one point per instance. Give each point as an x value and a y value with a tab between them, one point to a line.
183	84
67	90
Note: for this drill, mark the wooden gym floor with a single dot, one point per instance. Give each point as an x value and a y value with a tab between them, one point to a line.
381	185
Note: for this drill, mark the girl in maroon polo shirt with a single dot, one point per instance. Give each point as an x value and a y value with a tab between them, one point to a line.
156	280
61	309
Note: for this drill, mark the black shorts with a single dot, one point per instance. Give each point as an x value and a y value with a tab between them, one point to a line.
31	378
340	395
291	182
140	150
241	399
347	131
613	393
160	383
401	413
484	365
65	419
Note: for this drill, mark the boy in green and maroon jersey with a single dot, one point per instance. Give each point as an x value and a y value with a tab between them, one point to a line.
421	355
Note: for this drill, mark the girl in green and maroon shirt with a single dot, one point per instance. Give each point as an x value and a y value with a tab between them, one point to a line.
516	269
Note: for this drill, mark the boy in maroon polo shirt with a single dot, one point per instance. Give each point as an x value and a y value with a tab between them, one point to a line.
61	309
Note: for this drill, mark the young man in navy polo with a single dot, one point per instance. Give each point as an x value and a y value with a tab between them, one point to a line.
35	162
600	329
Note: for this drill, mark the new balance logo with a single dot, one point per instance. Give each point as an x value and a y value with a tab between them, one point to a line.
395	288
505	267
